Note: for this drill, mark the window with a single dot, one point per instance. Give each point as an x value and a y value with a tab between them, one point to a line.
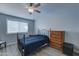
23	27
16	27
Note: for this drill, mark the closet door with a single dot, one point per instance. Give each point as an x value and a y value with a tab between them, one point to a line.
57	39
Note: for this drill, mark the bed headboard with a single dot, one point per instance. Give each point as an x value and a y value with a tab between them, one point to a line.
44	32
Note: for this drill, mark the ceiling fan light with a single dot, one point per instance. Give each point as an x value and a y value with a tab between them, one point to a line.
30	10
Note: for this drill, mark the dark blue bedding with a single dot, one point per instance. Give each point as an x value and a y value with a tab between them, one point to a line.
32	43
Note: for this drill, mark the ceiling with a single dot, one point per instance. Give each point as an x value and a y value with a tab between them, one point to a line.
18	9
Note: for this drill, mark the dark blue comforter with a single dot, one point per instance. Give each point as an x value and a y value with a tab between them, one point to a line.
32	43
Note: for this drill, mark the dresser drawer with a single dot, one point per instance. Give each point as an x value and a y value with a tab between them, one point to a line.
54	35
57	33
57	39
56	43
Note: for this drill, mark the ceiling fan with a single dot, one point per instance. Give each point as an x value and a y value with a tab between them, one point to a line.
33	7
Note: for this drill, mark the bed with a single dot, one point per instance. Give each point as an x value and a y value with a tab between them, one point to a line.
29	45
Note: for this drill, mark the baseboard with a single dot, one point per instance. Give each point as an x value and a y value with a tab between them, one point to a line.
11	43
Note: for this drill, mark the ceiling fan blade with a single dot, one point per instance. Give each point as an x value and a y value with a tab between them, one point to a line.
37	5
38	11
31	4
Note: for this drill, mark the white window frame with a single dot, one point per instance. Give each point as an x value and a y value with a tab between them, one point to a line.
18	27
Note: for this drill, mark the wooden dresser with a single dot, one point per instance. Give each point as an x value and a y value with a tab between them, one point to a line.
57	39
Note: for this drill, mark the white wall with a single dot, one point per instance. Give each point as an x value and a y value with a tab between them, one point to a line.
61	18
55	16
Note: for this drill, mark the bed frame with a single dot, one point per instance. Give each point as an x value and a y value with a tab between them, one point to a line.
31	48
